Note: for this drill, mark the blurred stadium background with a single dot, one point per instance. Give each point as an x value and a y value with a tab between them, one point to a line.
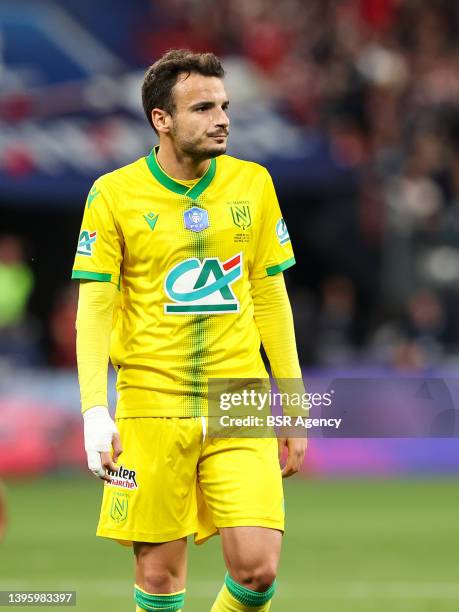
353	105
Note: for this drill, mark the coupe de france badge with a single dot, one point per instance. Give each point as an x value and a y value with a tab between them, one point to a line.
196	219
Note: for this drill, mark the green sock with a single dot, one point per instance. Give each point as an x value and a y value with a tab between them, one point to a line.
236	598
165	602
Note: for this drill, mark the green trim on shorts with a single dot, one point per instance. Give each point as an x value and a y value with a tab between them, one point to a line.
246	596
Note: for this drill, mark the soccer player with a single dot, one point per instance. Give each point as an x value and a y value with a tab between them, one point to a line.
180	261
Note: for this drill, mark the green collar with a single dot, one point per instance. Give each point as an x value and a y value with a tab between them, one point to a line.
168	182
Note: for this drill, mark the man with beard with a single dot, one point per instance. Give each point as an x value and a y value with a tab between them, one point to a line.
180	261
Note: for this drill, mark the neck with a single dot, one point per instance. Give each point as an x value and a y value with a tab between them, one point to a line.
179	165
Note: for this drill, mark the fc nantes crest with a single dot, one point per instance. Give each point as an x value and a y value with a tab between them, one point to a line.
119	507
241	216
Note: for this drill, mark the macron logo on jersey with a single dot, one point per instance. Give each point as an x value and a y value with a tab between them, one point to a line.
85	241
203	287
151	219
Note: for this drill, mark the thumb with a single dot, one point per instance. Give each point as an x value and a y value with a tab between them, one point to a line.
117	447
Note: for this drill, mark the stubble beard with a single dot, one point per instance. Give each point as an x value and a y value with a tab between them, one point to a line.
194	149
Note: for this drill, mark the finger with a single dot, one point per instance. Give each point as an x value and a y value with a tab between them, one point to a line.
117	447
94	462
107	462
101	474
95	465
300	454
294	461
280	447
289	469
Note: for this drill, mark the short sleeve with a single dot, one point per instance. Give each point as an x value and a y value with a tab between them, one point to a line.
274	251
100	245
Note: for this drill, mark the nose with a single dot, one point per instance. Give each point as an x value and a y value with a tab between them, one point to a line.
222	120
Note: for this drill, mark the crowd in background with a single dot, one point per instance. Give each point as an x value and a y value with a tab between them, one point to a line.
381	79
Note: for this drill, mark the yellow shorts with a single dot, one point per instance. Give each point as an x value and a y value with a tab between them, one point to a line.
173	482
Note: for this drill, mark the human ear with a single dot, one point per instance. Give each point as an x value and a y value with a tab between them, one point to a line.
162	120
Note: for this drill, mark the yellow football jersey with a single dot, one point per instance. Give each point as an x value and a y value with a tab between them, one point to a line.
183	255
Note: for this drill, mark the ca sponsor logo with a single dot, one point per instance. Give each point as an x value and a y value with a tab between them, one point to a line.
202	287
282	232
85	242
124	478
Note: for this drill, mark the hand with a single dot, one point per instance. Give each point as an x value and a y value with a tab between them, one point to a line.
296	451
100	435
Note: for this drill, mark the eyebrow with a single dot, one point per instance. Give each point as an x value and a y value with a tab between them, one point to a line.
208	103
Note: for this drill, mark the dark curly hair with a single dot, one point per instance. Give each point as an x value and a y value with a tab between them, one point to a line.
161	77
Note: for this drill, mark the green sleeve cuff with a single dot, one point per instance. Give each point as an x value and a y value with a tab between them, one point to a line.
97	276
288	263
